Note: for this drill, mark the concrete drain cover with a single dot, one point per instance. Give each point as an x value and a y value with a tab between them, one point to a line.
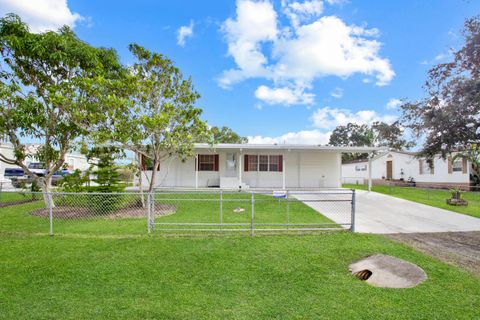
388	272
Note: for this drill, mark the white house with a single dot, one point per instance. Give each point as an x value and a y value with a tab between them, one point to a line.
400	165
234	166
72	160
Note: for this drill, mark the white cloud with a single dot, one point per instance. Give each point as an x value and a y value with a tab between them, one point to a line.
328	46
255	23
299	12
337	93
328	118
313	137
393	103
285	95
295	55
324	120
183	33
41	15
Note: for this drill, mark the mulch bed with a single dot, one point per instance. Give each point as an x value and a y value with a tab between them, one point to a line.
15	202
132	211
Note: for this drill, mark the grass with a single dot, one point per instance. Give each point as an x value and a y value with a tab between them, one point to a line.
432	197
200	208
281	277
15	196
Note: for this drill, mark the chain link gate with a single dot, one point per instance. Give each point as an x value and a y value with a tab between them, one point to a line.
179	211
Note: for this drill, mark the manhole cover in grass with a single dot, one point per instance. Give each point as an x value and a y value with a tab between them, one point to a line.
388	272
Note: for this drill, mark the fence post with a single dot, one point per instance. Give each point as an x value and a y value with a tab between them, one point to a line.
352	225
50	212
152	217
287	197
252	232
221	206
149	227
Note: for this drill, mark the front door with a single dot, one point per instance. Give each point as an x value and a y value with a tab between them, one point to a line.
389	170
231	165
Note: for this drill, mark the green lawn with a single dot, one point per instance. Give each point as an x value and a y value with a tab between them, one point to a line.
198	208
265	277
432	197
15	196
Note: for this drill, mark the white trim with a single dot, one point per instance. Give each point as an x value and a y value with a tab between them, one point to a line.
286	147
196	171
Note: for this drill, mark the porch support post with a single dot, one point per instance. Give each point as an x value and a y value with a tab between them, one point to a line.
369	172
240	168
196	171
283	172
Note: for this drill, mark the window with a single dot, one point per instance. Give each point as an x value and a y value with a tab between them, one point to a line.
457	165
263	163
252	161
272	163
361	167
207	162
424	167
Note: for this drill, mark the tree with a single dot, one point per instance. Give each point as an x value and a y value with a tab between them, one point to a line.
352	135
163	121
379	134
390	135
53	89
226	135
449	118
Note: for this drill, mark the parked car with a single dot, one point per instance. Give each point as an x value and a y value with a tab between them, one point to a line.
13	172
37	168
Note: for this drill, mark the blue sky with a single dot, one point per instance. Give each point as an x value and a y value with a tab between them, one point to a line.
277	71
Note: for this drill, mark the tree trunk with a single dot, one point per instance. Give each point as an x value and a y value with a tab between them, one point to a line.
140	180
153	176
45	184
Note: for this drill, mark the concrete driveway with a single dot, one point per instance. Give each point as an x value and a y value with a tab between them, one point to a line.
379	213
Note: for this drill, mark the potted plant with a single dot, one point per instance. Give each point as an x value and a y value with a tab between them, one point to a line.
411	182
456	199
456	193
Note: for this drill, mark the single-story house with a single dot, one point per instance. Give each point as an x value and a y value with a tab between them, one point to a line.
73	161
243	166
402	165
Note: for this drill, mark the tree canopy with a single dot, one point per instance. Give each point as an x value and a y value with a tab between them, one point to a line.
163	121
54	89
448	119
379	134
226	135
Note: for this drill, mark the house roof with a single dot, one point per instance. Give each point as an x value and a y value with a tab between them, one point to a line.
285	147
410	153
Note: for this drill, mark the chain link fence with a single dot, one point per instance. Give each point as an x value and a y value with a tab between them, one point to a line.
177	212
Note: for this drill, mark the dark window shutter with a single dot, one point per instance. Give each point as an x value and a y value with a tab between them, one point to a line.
216	162
450	165
245	163
464	165
280	163
420	166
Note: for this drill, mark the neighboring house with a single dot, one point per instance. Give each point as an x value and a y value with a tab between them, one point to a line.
243	166
73	161
400	165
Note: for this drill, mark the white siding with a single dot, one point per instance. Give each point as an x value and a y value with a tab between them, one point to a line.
411	168
303	169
